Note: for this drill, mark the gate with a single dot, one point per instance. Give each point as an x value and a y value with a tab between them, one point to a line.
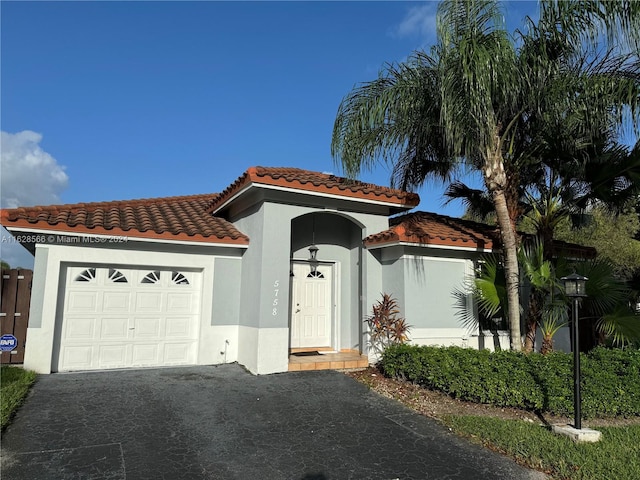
14	310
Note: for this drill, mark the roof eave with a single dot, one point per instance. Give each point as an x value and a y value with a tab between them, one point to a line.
117	235
429	243
250	179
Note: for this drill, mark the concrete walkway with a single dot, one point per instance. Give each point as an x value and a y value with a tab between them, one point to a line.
223	423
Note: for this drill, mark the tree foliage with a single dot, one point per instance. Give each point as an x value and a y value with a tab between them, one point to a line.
516	109
613	236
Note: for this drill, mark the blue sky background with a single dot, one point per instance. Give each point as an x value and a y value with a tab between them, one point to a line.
118	100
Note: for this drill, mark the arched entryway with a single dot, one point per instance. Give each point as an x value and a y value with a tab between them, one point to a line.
326	283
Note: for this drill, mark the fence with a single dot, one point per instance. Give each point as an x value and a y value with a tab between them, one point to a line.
14	310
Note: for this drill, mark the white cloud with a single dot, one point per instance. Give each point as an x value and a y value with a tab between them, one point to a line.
419	21
28	174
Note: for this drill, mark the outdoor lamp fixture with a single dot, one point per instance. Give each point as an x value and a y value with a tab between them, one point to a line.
313	252
575	288
575	285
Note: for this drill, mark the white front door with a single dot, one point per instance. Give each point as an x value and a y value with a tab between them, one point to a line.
312	306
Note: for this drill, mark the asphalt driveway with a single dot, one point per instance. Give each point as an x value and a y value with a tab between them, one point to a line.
223	423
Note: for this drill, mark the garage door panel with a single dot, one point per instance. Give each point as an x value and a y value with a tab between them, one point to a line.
80	328
177	353
178	327
116	302
112	356
112	319
77	357
148	302
145	355
114	328
147	327
180	302
80	301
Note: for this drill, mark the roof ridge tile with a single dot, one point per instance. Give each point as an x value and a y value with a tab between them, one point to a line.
313	181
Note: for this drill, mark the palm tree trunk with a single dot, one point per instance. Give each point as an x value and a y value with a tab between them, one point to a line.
511	268
497	182
547	344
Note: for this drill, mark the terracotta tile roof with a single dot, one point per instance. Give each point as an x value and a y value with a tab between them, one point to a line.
427	228
169	218
298	179
432	229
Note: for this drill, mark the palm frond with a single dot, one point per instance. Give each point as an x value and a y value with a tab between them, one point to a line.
591	22
478	203
605	292
463	308
477	63
490	288
393	118
622	326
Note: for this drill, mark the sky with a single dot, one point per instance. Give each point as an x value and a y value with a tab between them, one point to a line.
109	101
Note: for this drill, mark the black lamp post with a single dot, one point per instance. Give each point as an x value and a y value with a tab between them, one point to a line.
575	288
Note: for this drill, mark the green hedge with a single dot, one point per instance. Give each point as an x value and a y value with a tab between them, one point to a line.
610	378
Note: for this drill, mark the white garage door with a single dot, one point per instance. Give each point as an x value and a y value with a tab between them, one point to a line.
119	318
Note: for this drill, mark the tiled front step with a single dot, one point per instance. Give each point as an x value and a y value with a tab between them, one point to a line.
328	361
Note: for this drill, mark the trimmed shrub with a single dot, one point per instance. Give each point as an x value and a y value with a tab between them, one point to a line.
610	378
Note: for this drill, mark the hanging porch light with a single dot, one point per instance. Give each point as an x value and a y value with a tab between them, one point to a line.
313	261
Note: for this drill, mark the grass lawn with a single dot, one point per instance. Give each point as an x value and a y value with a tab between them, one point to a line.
520	435
14	386
616	456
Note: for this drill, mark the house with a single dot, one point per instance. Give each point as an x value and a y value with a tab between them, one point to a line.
208	279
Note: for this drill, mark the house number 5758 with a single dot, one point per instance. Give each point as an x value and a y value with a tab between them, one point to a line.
276	289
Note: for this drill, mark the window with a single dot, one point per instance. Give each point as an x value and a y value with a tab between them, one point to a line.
89	275
116	276
315	274
179	279
151	277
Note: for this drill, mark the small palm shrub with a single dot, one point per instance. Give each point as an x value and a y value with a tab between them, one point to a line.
386	326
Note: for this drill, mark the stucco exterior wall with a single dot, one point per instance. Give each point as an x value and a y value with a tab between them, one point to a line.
423	281
393	276
226	291
264	296
429	290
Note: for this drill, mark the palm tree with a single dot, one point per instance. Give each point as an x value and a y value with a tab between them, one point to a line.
474	102
546	306
606	312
